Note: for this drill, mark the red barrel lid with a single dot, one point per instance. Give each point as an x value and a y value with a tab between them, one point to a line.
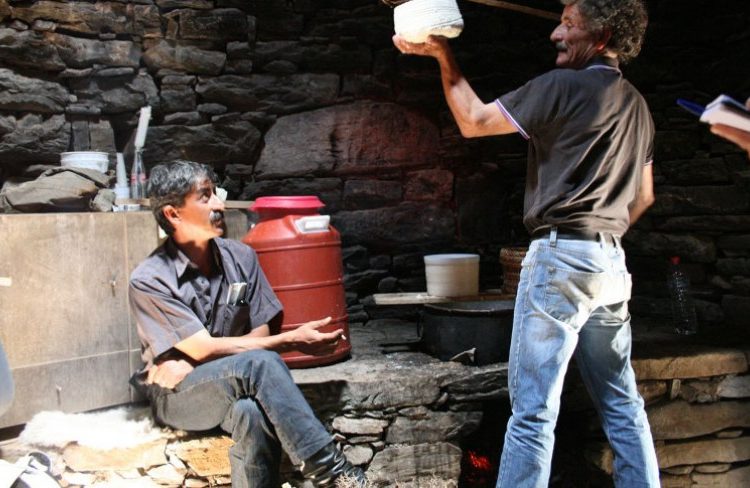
309	202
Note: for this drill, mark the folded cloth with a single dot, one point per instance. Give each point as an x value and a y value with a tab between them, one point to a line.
30	471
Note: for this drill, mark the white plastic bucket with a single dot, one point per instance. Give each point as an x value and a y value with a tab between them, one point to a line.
452	275
85	159
122	191
417	19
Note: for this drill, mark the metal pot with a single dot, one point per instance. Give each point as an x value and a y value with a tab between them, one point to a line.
448	329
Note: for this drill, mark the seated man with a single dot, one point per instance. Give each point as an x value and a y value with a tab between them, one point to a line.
210	358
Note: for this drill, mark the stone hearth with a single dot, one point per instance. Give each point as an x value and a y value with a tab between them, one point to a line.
398	412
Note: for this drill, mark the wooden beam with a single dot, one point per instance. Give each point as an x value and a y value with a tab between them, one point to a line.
144	203
545	14
421	298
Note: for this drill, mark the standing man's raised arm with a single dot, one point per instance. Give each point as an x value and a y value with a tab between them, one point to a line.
474	117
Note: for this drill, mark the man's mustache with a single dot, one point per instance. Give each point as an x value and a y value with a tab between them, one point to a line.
561	46
216	216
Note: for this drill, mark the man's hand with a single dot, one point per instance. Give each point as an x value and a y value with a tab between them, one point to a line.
737	136
434	46
169	373
308	339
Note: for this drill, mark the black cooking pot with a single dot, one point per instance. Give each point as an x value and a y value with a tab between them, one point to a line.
448	329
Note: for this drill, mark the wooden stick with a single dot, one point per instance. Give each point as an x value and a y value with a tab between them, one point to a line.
145	203
519	8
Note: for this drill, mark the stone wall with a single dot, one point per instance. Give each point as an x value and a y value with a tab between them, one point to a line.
310	97
410	420
698	406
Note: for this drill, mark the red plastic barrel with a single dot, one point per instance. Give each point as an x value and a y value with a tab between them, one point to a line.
300	254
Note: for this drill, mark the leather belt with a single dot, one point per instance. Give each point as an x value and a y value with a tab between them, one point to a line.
580	235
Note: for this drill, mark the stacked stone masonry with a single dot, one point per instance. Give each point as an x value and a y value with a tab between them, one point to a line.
310	97
698	406
401	416
404	417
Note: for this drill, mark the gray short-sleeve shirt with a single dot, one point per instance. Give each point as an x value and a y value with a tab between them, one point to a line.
171	300
590	132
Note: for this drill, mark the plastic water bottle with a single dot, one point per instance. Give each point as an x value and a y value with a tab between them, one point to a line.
138	177
683	308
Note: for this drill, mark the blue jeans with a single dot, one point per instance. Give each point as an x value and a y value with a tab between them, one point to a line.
572	299
252	396
6	383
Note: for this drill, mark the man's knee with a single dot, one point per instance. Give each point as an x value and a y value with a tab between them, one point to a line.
248	423
247	413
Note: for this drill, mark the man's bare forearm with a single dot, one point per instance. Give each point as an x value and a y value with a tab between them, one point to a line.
459	95
474	117
202	347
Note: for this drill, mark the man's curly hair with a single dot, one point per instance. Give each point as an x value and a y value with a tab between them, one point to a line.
625	19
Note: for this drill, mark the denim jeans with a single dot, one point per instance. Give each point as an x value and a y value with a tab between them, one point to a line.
6	383
252	396
572	299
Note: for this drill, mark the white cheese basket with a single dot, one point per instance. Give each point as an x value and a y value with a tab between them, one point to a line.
415	20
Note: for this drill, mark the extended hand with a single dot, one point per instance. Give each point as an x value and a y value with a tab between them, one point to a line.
310	340
434	46
169	373
737	136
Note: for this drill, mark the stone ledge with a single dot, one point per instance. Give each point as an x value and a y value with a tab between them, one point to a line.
385	372
661	361
400	415
683	420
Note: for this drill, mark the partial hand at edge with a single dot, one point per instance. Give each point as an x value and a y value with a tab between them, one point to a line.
169	373
732	134
308	339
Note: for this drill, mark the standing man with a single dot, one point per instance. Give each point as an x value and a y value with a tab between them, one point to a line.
202	306
589	178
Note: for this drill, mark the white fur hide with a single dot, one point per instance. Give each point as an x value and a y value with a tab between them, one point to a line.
108	429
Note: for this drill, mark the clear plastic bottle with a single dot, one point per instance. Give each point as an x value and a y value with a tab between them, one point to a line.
138	177
683	307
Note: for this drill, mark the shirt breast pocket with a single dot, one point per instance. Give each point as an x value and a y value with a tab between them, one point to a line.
236	320
236	293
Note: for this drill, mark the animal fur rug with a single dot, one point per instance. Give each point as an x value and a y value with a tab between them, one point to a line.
108	429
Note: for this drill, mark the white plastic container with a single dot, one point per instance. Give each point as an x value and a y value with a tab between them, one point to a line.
452	275
417	19
85	159
122	192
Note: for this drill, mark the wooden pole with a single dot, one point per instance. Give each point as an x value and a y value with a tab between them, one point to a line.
519	8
